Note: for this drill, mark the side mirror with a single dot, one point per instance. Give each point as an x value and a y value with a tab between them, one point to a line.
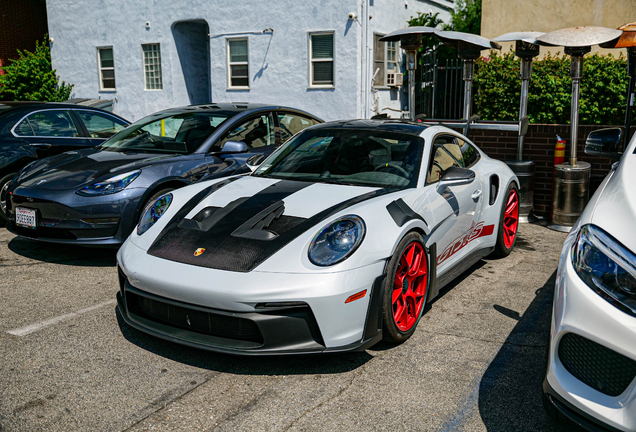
455	176
234	147
604	142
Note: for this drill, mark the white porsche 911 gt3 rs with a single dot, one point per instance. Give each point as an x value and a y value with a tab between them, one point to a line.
337	240
590	375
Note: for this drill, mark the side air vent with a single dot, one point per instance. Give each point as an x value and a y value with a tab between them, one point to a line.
494	188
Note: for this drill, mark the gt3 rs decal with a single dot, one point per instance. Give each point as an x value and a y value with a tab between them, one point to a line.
475	231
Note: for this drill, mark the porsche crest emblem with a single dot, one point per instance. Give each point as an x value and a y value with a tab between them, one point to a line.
199	251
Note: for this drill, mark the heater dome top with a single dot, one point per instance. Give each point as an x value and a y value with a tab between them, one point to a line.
584	36
527	36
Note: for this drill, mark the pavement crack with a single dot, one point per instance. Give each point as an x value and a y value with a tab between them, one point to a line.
167	398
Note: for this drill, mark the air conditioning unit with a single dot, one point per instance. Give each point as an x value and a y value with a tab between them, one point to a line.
394	79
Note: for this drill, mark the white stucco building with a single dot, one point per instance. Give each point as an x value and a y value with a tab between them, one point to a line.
149	55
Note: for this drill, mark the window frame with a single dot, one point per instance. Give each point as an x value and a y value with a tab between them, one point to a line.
100	69
143	66
71	114
311	61
217	145
432	156
229	63
383	84
77	111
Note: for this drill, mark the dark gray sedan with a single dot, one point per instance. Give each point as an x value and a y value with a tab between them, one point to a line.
95	196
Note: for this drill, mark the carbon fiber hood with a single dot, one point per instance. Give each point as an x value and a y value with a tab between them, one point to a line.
237	224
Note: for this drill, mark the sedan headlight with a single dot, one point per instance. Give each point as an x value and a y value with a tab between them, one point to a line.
336	241
153	212
606	266
112	185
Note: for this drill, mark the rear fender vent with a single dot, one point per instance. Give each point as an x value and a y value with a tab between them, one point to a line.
494	188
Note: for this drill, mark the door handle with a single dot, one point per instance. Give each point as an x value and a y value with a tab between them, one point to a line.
476	194
41	145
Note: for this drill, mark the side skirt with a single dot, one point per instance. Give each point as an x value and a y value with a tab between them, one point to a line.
460	268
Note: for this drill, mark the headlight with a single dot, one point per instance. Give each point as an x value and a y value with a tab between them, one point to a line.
112	185
606	266
153	212
336	241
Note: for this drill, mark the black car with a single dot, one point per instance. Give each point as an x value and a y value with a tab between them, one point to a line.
95	196
34	130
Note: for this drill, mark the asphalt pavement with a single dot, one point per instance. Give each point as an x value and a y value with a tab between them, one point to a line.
69	362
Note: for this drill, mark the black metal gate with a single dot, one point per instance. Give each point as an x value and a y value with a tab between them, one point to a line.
439	88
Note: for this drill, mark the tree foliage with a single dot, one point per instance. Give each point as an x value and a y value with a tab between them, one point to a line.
31	77
603	89
466	17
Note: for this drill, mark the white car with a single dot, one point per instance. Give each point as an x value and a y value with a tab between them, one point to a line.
337	240
591	363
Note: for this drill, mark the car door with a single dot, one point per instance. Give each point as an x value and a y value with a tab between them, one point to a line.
257	132
459	226
99	126
51	132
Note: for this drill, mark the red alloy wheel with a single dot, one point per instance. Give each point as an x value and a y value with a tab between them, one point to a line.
409	286
511	219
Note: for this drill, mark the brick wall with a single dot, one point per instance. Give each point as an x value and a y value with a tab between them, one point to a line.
22	22
539	146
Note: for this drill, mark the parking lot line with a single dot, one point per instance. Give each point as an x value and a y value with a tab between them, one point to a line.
23	331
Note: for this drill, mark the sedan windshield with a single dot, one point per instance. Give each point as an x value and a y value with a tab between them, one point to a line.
348	156
180	133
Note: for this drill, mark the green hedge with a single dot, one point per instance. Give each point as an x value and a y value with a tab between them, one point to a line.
603	89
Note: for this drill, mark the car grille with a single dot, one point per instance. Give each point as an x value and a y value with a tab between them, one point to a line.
193	320
599	367
43	232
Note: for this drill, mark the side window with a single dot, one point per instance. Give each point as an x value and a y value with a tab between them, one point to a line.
469	152
445	153
100	125
255	132
55	123
291	124
23	129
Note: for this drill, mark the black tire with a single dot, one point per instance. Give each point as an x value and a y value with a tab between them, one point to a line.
390	330
501	250
4	182
152	198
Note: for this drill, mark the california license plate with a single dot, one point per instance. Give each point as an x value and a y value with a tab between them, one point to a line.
25	217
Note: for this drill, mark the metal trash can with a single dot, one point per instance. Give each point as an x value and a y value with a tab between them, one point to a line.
571	194
525	172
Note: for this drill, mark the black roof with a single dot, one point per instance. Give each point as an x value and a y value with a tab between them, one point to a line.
384	125
36	104
227	108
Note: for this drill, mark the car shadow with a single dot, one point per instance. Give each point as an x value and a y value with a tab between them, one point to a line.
510	390
63	253
244	365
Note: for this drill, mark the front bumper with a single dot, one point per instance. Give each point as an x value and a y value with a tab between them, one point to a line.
66	217
167	299
595	381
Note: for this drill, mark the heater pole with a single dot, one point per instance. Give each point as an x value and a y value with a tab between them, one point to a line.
576	73
526	72
469	76
631	71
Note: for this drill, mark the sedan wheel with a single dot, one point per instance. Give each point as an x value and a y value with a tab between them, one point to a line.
4	188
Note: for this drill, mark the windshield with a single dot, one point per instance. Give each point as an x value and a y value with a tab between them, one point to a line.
347	156
180	133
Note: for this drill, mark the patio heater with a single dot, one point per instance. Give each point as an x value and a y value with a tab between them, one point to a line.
469	48
526	48
627	40
411	41
572	180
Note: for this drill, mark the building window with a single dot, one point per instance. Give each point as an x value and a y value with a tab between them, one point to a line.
152	67
384	62
321	60
106	64
238	63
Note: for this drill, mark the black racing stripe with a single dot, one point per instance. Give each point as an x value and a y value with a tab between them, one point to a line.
224	251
